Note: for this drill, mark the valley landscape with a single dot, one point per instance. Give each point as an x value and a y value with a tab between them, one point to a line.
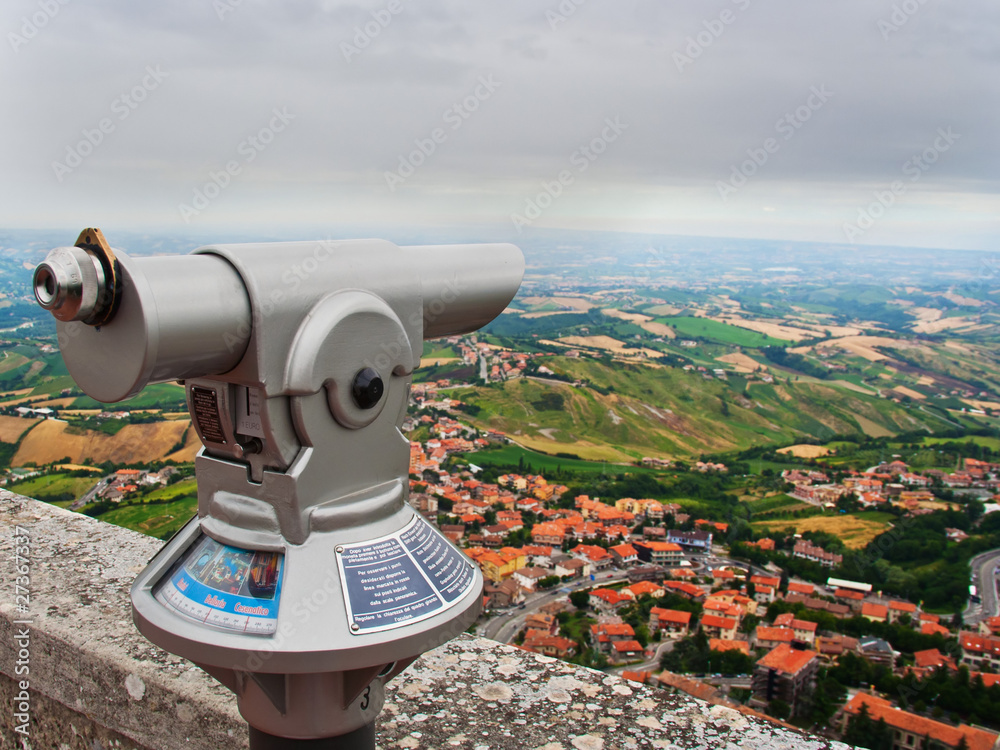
821	413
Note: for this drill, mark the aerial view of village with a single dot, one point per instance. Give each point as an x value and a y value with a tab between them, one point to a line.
765	476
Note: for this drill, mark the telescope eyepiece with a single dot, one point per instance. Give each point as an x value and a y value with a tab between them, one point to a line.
71	284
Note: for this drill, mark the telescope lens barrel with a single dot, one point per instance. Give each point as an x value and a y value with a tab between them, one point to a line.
70	283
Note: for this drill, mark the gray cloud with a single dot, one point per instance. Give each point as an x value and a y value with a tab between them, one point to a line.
560	76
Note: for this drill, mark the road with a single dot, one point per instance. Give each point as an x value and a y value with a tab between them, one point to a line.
937	416
505	625
651	664
985	572
90	494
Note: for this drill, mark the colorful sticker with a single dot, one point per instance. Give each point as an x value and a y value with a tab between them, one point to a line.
227	587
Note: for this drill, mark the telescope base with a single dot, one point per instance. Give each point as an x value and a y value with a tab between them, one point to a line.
359	739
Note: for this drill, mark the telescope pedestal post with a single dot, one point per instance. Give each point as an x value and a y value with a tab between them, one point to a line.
359	739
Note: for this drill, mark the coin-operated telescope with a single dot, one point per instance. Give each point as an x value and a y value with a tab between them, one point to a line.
305	582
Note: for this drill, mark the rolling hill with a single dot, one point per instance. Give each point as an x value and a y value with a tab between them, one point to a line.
51	441
621	411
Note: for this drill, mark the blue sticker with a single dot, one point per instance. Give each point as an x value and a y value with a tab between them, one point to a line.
227	587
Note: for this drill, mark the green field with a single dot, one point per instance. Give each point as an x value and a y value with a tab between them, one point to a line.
173	507
773	503
161	520
12	361
987	442
437	350
165	395
511	455
876	516
54	486
713	330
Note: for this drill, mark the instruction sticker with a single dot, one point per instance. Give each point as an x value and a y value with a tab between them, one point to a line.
402	578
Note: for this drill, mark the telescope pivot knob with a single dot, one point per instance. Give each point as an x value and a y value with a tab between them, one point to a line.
367	388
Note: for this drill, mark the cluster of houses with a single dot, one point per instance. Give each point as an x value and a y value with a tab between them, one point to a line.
45	412
719	373
29	412
795	651
125	482
792	649
495	363
814	553
894	483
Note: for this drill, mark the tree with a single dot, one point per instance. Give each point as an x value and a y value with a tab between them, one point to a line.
580	599
861	731
859	727
779	709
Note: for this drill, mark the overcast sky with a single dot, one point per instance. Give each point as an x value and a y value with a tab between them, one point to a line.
754	118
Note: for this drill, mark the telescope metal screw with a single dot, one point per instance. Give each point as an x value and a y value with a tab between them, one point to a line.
355	626
367	388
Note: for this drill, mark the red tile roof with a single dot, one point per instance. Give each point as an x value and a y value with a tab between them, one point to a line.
931	658
624	550
640	677
874	610
644	587
689	589
801	588
660	546
778	635
671	615
786	659
619	629
611	597
932	628
551	641
627	646
980	644
989	680
848	594
714	621
722	644
920	726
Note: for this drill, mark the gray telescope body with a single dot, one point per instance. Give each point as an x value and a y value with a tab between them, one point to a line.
305	582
